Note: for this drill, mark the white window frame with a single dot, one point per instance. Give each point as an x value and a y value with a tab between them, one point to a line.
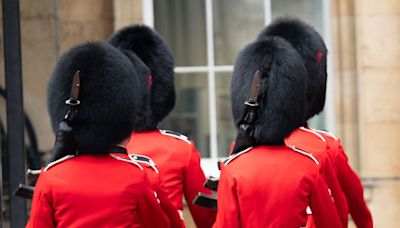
209	165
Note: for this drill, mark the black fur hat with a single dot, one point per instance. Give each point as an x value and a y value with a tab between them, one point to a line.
282	91
310	45
154	52
107	95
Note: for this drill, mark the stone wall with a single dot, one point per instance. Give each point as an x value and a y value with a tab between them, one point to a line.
367	70
378	66
49	28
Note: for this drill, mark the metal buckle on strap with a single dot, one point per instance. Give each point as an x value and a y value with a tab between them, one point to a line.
252	104
72	102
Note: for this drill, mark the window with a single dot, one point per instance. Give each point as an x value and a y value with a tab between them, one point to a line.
205	37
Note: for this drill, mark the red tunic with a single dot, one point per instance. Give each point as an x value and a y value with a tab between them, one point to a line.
95	191
349	182
308	140
178	163
271	186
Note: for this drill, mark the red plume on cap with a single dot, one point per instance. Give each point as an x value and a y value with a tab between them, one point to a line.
149	81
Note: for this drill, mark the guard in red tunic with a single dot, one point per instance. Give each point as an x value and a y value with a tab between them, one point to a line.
97	184
176	157
269	184
344	184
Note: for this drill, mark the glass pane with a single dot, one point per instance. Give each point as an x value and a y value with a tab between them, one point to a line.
226	131
236	23
311	12
308	10
182	23
191	114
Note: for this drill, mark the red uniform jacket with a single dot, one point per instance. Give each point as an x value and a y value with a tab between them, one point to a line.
349	182
178	163
271	186
308	140
95	191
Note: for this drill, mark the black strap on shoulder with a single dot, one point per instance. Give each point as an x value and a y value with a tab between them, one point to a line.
245	135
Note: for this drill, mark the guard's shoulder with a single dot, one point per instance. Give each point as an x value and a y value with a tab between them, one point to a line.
142	159
313	133
127	160
54	163
306	140
176	135
326	133
236	155
305	153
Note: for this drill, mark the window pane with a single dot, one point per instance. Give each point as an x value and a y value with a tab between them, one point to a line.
226	131
182	23
308	10
191	114
236	23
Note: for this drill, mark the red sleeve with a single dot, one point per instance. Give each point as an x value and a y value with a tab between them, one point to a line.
228	205
322	207
194	180
41	215
353	190
149	209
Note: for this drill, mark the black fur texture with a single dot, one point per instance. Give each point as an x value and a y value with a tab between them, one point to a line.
282	93
107	95
143	114
149	46
308	42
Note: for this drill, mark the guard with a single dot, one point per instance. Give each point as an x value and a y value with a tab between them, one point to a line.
269	184
97	184
176	157
343	182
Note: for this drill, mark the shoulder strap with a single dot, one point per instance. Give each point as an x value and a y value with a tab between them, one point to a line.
305	153
144	160
175	135
126	160
51	164
326	133
234	156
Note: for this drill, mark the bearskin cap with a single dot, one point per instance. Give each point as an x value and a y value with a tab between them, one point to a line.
282	88
107	95
150	47
310	45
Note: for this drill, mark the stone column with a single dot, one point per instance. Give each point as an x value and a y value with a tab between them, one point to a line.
127	12
345	73
378	68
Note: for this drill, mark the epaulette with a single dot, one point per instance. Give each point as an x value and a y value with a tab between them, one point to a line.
144	160
127	160
176	135
306	142
233	156
313	131
303	152
326	133
51	164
